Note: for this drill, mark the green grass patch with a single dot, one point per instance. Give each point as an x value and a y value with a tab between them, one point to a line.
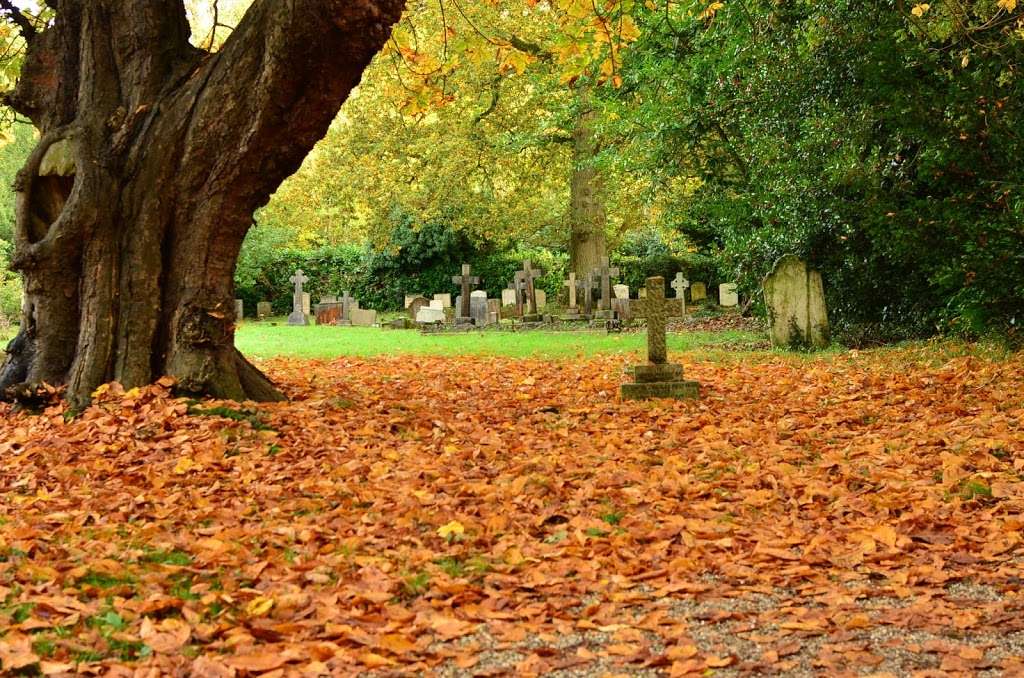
162	557
262	340
250	416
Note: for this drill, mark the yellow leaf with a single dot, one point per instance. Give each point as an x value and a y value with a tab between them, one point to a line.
920	9
452	529
258	607
1008	5
184	465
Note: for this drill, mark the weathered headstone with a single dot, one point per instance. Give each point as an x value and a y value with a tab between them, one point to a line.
795	297
542	299
478	307
622	309
436	304
727	295
299	316
658	378
363	317
430	315
239	310
508	297
680	285
526	278
307	304
348	304
573	287
493	311
698	292
621	291
329	299
415	305
409	298
467	282
445	299
329	313
264	309
603	275
588	294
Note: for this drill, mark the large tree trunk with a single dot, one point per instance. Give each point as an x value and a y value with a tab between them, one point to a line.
587	214
153	157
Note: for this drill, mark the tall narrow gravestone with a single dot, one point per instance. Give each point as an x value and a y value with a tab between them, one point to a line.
680	285
239	310
658	378
467	282
298	297
524	283
603	275
795	297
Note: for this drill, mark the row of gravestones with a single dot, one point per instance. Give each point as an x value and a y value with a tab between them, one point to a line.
794	297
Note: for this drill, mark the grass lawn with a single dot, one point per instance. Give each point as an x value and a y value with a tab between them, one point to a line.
263	340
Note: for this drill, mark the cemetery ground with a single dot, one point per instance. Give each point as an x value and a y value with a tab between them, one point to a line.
434	512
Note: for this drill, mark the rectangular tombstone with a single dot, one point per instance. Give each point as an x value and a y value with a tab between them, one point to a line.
329	314
727	296
263	310
438	305
698	291
508	297
430	315
362	317
542	299
621	308
239	309
445	299
621	291
305	303
478	307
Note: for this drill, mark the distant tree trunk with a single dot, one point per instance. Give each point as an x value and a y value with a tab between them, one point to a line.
153	157
587	214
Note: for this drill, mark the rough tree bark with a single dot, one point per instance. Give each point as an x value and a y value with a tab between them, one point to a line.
152	158
587	215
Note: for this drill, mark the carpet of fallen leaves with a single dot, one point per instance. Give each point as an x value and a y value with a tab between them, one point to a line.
454	516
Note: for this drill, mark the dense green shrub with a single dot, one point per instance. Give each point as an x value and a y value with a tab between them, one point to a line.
884	149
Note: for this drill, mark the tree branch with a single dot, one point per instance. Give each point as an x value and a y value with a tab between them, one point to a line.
28	31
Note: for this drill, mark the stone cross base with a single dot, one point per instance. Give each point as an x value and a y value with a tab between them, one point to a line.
299	318
660	381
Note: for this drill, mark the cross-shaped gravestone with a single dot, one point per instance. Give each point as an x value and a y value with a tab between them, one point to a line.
572	284
527	276
298	317
604	273
680	285
518	285
588	294
468	283
657	310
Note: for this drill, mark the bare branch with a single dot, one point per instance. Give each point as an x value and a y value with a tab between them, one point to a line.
28	31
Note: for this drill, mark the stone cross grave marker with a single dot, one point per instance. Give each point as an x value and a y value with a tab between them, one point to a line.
588	294
656	309
680	285
468	282
604	273
571	284
658	378
518	286
527	276
298	317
